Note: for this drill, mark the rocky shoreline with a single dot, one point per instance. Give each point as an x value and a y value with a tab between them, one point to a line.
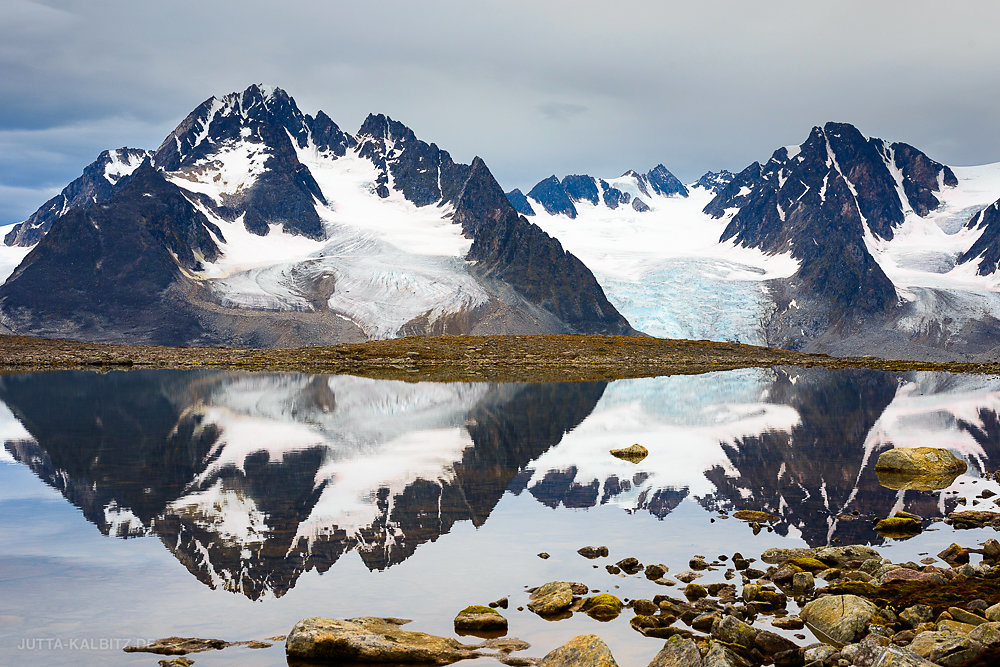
861	609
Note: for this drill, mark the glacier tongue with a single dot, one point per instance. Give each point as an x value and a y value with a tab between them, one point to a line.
383	263
665	270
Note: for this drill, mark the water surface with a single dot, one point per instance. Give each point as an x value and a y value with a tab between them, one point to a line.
136	505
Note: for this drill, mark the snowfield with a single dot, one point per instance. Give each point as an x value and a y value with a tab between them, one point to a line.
665	270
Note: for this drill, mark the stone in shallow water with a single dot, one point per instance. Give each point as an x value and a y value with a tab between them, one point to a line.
587	650
633	453
178	646
841	618
368	639
479	618
552	598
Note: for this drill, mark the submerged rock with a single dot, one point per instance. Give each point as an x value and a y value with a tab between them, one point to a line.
587	650
373	640
179	646
593	552
632	454
755	516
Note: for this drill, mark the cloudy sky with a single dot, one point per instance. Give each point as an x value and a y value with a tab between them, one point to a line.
533	87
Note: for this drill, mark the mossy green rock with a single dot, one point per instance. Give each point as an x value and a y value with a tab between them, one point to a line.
839	618
479	618
695	592
373	640
603	606
589	650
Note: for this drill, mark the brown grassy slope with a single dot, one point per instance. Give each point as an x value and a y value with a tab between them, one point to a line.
453	358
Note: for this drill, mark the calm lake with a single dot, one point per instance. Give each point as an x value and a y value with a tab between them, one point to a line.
138	505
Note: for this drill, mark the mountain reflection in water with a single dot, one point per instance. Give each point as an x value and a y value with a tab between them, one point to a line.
251	480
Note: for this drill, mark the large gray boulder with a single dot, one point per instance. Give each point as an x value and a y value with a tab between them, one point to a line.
918	468
839	618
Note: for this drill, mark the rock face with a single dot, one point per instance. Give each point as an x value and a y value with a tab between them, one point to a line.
587	650
251	164
920	461
370	640
841	618
94	186
818	201
560	197
985	252
715	180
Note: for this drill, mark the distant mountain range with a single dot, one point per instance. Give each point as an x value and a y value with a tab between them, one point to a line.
844	244
256	224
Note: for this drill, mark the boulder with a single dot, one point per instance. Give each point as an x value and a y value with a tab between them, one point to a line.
593	552
479	618
894	656
678	651
898	527
373	640
918	468
720	655
839	618
732	630
587	650
551	598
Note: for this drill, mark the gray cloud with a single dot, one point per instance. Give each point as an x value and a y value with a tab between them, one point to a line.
533	88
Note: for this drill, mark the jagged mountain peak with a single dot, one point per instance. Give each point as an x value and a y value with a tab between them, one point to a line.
94	185
557	196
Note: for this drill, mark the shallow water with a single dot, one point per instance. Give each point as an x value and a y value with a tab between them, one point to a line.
216	504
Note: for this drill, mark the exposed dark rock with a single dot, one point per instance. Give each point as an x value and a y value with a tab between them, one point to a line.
664	183
94	186
581	188
715	180
552	195
520	202
612	196
639	205
986	249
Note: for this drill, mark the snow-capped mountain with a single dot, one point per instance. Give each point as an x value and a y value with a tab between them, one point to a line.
845	244
256	224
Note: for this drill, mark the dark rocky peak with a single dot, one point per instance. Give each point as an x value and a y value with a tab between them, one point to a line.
520	202
422	172
639	205
613	197
640	180
813	202
715	180
552	195
94	185
986	250
580	187
258	115
664	183
112	265
920	175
